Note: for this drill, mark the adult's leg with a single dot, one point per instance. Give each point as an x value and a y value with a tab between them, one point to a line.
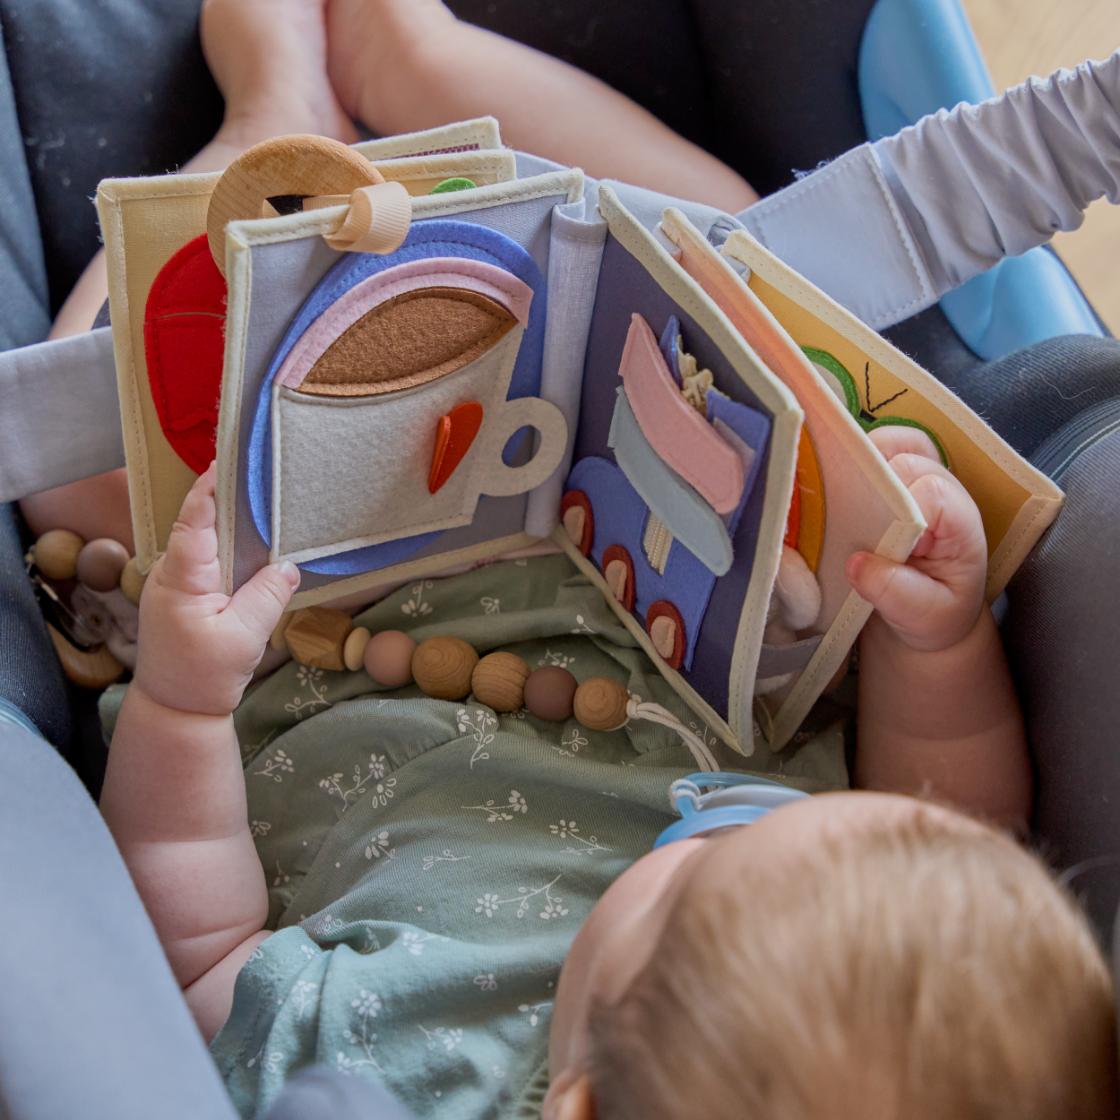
23	276
1031	394
108	89
1062	631
92	1023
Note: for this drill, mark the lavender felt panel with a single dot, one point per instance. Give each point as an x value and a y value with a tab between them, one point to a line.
668	344
626	287
283	274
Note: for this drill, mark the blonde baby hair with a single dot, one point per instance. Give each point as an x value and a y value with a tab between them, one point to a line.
918	965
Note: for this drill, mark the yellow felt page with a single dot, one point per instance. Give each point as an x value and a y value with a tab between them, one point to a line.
849	498
1016	501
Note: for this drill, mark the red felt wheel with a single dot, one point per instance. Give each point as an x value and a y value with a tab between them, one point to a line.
578	520
666	630
618	571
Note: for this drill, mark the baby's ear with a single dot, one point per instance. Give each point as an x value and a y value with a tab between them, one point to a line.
569	1098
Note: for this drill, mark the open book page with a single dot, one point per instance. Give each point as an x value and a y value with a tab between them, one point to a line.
847	499
169	412
881	384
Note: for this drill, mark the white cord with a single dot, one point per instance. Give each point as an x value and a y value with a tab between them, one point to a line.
657	714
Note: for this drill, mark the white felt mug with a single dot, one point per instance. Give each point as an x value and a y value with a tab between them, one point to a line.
353	471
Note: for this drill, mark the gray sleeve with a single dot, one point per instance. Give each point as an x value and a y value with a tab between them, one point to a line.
888	228
984	182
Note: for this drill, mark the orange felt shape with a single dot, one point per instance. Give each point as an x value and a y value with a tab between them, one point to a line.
454	435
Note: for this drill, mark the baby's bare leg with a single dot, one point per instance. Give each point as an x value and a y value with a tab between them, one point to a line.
269	60
399	65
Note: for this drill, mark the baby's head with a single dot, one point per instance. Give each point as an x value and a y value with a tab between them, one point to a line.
852	955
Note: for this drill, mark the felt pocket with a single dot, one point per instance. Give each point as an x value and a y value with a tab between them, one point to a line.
351	471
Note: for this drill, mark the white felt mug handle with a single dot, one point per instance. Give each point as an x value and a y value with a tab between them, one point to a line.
500	481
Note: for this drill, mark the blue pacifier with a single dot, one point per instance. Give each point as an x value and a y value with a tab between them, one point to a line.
710	802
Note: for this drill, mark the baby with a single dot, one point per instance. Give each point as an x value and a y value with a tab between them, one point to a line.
875	954
861	954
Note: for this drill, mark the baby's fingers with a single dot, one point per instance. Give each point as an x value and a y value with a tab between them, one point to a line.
259	603
907	599
191	561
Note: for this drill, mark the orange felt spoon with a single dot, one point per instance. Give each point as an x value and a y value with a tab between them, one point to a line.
454	435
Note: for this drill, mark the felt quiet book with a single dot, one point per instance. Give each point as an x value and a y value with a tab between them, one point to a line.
426	352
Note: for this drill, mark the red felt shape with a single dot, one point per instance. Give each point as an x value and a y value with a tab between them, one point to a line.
184	320
662	608
455	433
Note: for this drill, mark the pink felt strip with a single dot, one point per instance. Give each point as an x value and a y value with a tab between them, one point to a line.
678	433
433	272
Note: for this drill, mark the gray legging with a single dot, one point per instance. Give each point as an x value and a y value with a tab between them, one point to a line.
92	1024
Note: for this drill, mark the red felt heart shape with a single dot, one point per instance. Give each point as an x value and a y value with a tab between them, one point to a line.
455	433
184	321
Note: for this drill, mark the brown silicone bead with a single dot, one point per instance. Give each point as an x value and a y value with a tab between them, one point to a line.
100	564
442	667
600	704
132	581
316	636
549	692
388	658
498	681
56	553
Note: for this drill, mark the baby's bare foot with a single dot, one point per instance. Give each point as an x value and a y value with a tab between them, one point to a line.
269	58
372	51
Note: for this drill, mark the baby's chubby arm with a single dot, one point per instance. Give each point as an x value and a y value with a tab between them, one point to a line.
938	714
174	793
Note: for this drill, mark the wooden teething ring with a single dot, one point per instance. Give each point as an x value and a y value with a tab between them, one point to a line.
286	165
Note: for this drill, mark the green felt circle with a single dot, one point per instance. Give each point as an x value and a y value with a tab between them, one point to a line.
458	183
904	422
838	370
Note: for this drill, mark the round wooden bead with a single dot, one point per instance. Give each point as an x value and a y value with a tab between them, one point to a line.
549	692
100	564
316	635
442	667
498	681
56	553
388	658
600	704
132	581
354	649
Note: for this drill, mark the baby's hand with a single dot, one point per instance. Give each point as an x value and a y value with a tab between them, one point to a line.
932	601
198	646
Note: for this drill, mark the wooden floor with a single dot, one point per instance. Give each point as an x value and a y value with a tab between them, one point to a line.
1024	37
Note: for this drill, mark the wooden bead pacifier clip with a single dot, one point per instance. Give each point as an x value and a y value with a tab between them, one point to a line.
448	668
92	612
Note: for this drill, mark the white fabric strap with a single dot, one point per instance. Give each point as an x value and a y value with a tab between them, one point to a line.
657	714
890	227
59	416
